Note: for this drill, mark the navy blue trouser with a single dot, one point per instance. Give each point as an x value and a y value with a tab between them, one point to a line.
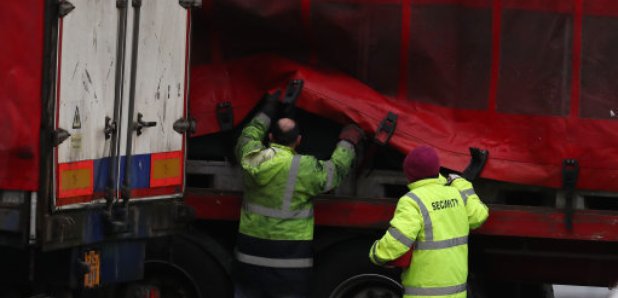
262	281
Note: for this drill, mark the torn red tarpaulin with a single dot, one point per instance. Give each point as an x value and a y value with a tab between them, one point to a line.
524	149
529	80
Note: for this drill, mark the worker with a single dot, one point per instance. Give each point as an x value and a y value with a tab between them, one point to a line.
433	220
273	249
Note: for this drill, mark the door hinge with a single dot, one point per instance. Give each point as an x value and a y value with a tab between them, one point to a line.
60	135
184	125
136	3
64	8
190	3
110	127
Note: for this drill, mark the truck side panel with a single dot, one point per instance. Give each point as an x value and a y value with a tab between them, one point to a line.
21	66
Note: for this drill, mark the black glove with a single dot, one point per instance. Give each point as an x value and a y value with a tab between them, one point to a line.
352	133
271	104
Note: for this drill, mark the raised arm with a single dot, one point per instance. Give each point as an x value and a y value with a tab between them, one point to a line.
477	210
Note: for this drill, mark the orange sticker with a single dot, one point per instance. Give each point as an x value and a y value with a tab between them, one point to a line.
166	168
75	179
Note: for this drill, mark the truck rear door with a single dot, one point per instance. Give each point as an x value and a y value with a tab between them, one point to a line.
121	87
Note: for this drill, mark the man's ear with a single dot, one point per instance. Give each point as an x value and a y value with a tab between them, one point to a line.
270	136
298	139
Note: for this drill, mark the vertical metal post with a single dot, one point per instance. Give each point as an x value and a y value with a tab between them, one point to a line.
33	214
112	185
126	185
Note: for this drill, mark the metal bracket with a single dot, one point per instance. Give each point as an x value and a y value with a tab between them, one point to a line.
60	135
64	8
121	3
190	3
184	125
386	129
570	172
140	124
136	3
110	127
476	165
225	116
293	91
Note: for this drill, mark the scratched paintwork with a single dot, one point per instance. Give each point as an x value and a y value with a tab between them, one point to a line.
87	67
160	88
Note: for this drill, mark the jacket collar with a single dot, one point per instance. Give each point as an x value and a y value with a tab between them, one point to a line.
283	148
440	180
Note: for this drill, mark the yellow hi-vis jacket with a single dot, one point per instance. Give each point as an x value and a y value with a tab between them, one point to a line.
280	184
434	219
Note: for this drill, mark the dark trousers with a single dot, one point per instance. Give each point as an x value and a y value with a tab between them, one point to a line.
254	281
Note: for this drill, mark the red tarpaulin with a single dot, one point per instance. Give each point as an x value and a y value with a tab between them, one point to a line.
532	81
21	66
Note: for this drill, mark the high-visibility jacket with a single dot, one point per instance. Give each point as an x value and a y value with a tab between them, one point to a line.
434	219
279	184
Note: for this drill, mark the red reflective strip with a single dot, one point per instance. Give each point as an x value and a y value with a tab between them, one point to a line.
496	28
404	56
87	165
576	58
171	176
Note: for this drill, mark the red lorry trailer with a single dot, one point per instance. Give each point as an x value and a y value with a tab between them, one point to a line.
92	145
529	81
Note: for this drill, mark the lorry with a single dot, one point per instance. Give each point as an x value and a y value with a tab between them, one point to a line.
93	142
530	82
527	82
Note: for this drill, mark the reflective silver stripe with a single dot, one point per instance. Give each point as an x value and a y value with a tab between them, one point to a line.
243	140
425	214
330	168
282	214
375	256
466	193
263	118
400	237
438	291
274	263
427	245
289	187
464	197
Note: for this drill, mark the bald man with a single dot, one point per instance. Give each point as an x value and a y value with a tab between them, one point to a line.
273	250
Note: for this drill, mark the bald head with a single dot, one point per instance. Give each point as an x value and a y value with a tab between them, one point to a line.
285	132
286	124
